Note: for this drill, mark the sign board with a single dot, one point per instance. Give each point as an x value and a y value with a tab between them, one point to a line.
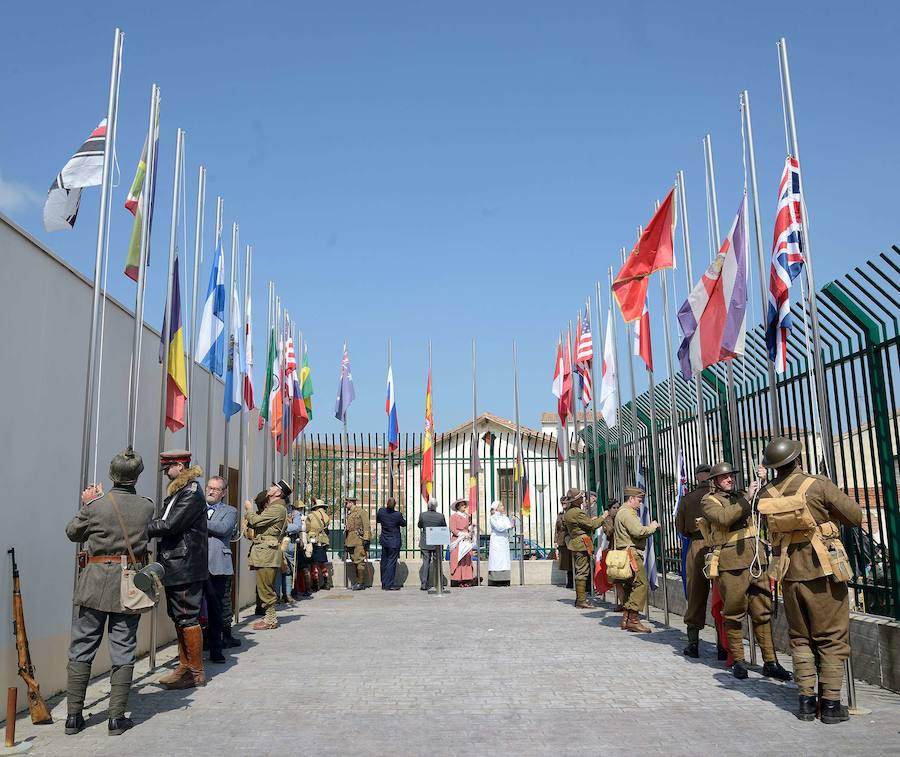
437	536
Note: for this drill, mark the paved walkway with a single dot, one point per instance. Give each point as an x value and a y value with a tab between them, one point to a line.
496	671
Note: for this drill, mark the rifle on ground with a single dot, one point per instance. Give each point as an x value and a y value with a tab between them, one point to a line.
40	714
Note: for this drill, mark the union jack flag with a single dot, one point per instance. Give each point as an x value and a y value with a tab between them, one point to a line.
787	262
584	355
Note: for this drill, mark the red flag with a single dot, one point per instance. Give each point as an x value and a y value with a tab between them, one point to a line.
642	345
654	251
427	480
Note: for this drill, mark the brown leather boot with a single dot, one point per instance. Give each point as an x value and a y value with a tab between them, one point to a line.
174	675
634	623
624	621
581	602
194	674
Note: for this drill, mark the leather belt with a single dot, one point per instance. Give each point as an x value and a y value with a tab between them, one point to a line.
108	558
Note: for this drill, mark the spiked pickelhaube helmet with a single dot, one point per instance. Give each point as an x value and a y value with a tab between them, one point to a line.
780	451
125	467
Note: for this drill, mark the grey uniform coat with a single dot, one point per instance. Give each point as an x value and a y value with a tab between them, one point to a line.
96	525
220	525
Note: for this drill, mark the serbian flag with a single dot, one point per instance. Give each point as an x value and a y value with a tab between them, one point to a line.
427	479
173	341
654	251
642	346
390	407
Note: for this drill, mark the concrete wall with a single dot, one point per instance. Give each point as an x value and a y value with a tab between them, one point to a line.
46	312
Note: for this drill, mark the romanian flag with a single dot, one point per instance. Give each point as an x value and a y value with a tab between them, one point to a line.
176	379
136	203
306	387
522	481
428	447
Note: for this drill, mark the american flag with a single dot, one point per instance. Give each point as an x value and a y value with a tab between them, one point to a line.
787	262
584	354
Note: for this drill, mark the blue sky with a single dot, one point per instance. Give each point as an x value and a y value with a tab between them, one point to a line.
448	170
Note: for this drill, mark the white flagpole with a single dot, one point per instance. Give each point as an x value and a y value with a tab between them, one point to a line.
229	337
594	390
620	420
629	349
573	456
520	453
477	505
192	345
210	385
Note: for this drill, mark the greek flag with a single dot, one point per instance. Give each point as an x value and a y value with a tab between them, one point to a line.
211	337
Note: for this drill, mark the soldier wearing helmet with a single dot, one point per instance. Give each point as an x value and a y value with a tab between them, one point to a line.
738	559
813	569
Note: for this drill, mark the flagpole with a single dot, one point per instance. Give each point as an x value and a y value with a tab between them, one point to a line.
698	379
657	494
520	453
265	440
629	337
594	390
620	418
289	453
244	417
390	449
192	345
112	110
573	406
346	439
607	433
229	336
147	191
564	431
774	412
584	459
210	384
474	474
276	463
301	466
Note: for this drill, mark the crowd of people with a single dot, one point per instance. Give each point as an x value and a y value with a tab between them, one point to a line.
800	513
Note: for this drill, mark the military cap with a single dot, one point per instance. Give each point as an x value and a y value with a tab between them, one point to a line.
633	491
702	468
317	504
171	456
459	503
350	498
284	486
780	451
573	497
722	469
125	467
299	504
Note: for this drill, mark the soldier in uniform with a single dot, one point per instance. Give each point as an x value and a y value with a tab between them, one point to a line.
563	558
269	527
580	529
697	583
609	531
738	553
357	535
318	540
183	548
631	534
98	593
815	593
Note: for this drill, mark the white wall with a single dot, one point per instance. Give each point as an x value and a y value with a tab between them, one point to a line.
45	322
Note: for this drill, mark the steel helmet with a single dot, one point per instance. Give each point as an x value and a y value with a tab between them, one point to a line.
780	451
722	469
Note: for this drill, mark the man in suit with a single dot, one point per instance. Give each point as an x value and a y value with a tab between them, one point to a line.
429	519
221	521
391	522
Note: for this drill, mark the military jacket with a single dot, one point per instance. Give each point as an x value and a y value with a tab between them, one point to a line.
629	531
269	527
559	532
826	502
358	530
731	512
182	530
317	526
689	510
578	525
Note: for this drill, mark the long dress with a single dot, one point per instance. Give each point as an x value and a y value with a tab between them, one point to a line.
498	559
461	543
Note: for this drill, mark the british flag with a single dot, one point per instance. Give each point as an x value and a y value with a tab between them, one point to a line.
584	354
787	262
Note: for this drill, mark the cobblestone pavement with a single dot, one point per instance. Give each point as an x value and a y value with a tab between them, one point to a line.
494	671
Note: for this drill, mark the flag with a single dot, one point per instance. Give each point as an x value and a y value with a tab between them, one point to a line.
211	337
427	479
654	251
712	317
680	491
584	355
265	413
601	580
299	416
248	357
346	394
609	395
306	387
788	259
522	480
562	409
717	605
390	407
276	393
642	346
649	553
83	169
474	470
232	400
136	203
172	339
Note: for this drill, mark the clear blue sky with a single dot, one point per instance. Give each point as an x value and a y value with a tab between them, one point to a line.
447	170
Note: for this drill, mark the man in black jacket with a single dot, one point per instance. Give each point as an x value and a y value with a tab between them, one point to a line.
182	551
391	522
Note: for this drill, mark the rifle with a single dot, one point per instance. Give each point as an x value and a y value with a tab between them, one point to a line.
40	714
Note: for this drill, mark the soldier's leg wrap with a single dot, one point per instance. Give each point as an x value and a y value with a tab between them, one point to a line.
636	590
78	675
693	635
733	586
759	604
799	633
87	633
119	688
265	587
828	610
697	587
831	679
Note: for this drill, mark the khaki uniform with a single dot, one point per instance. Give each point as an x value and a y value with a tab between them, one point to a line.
357	535
729	516
697	584
269	527
564	559
580	529
816	605
317	527
629	533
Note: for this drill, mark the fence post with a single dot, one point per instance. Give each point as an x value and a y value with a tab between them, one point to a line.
721	389
881	414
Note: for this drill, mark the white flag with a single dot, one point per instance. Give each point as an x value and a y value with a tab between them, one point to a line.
609	399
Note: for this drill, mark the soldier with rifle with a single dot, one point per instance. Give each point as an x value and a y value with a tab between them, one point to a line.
113	529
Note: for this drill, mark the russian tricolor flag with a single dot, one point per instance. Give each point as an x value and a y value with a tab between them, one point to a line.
390	407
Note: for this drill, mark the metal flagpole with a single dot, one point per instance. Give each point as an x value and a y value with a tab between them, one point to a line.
774	413
147	212
192	344
229	337
390	450
657	489
288	449
819	366
698	380
210	383
594	390
564	432
619	419
345	444
265	444
585	457
166	336
629	350
243	464
276	468
607	432
474	474
112	110
520	453
301	473
573	403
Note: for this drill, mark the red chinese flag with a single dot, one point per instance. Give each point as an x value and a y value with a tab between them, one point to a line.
654	251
